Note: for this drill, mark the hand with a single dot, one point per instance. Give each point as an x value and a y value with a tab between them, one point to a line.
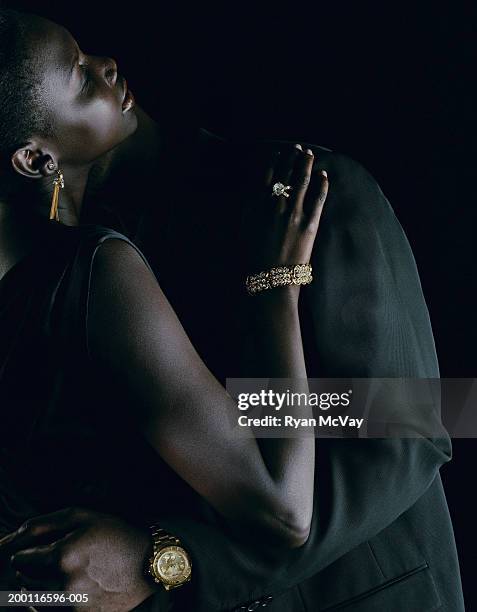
284	228
83	551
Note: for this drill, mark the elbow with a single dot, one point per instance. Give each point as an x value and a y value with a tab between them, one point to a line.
294	535
301	535
288	530
278	521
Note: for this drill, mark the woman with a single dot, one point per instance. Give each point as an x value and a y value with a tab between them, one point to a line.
95	407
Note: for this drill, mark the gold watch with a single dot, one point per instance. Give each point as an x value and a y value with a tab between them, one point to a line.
170	564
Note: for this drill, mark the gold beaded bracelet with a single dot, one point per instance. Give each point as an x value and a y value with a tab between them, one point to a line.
300	274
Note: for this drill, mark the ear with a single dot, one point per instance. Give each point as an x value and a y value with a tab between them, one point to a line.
33	163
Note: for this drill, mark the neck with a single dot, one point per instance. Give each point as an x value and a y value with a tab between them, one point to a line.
71	197
33	197
24	216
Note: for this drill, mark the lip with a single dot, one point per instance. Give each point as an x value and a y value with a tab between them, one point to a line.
128	98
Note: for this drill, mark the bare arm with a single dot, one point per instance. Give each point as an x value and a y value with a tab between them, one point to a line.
183	411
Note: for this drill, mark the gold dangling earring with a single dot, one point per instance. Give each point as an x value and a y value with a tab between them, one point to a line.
58	183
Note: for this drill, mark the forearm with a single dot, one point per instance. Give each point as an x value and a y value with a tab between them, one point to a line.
191	421
290	460
276	329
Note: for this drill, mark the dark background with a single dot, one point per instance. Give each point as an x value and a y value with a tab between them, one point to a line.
389	84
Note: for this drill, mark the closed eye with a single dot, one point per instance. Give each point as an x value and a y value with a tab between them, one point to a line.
86	78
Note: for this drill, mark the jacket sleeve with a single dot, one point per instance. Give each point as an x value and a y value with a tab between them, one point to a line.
366	317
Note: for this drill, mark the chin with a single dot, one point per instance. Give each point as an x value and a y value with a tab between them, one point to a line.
132	122
130	127
125	131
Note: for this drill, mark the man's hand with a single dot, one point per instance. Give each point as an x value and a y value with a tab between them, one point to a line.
82	551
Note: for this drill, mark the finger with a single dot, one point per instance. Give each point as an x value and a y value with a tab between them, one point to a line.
286	163
37	561
41	529
268	178
52	560
283	173
301	179
319	200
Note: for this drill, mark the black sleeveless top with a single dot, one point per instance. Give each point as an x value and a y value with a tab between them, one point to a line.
67	437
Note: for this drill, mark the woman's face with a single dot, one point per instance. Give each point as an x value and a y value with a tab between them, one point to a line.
92	109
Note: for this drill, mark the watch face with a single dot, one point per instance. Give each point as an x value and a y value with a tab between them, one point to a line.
172	565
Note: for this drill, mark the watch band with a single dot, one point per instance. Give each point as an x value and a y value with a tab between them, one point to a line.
160	538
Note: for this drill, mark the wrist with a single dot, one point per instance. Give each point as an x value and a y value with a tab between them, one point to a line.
282	300
280	277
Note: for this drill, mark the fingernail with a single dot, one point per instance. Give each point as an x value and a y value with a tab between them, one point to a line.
309	151
298	146
324	173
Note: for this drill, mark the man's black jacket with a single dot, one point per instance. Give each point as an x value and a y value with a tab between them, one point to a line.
381	535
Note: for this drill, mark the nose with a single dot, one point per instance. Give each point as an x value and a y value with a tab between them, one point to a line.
110	70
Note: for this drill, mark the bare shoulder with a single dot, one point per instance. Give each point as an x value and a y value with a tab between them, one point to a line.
125	305
118	257
121	279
